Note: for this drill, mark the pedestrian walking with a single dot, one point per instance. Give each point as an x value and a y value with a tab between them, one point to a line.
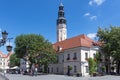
33	69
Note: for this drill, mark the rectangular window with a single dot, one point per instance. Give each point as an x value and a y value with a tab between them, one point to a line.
57	69
75	69
52	69
94	55
75	56
87	69
86	55
4	63
63	59
68	57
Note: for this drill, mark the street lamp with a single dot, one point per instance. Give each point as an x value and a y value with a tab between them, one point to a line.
3	42
9	47
4	38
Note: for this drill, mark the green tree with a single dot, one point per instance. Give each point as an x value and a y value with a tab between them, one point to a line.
14	61
110	38
92	66
38	49
98	57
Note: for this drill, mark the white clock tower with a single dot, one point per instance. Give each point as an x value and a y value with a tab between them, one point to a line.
61	24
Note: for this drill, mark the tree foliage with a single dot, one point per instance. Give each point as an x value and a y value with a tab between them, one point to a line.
110	37
36	47
98	57
14	61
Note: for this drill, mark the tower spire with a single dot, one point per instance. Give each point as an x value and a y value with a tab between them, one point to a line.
61	3
61	24
61	17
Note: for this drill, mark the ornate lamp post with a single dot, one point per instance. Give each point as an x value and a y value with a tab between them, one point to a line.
3	42
4	38
9	47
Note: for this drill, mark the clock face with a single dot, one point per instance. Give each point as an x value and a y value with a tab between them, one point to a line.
62	26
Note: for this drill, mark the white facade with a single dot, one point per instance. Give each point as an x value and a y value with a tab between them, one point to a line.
3	63
61	32
4	60
74	57
24	65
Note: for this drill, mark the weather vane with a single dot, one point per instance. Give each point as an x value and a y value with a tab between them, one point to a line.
60	1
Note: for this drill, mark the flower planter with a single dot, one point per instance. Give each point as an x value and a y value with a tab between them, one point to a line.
79	74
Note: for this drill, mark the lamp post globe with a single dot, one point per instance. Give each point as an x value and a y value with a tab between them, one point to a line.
4	35
9	48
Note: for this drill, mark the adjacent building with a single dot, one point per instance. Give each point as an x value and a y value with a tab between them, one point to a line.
24	65
5	60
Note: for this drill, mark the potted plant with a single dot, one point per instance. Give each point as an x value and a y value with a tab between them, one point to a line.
78	74
94	74
103	70
69	69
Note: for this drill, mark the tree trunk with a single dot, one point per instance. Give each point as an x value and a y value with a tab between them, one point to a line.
118	67
108	65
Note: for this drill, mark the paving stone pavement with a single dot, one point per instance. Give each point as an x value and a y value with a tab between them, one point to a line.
2	77
58	77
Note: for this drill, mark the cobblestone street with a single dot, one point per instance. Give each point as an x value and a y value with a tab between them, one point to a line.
2	77
58	77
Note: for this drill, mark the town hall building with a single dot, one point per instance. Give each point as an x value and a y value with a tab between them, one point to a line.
71	52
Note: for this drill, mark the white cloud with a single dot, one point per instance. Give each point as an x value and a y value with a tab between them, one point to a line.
90	16
92	35
90	2
87	14
93	17
97	2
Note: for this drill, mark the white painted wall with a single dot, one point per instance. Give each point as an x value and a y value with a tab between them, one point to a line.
61	32
4	63
53	68
80	62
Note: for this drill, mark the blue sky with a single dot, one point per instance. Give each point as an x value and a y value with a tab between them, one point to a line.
39	17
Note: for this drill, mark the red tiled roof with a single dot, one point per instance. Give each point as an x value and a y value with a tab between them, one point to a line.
5	55
81	40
